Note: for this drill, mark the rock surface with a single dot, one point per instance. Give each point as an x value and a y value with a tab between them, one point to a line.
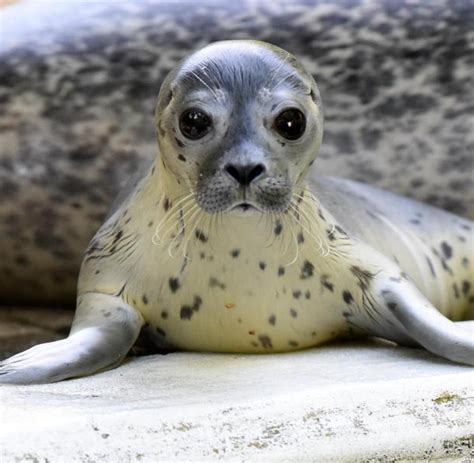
357	402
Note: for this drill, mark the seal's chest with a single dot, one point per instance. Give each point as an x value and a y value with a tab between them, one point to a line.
242	298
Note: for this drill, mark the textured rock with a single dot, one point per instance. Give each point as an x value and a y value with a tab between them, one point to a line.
339	403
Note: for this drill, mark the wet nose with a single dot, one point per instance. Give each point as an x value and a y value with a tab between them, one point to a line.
245	174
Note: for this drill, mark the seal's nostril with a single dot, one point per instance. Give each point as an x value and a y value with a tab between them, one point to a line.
246	173
233	172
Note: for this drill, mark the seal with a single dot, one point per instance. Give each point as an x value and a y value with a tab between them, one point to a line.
228	243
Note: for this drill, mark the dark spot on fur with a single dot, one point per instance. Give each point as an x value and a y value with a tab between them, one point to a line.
307	270
430	265
281	271
161	332
447	250
347	296
262	265
181	158
340	230
456	290
364	276
446	267
326	283
272	320
174	284
278	228
296	293
197	302
265	341
186	312
293	343
107	314
145	299
215	283
331	234
166	204
300	238
293	313
235	253
391	305
164	314
179	142
201	236
414	221
307	294
466	287
118	235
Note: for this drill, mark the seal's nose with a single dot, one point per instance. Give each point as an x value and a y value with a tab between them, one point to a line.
245	174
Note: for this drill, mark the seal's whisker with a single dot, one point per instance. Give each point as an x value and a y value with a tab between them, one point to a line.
180	222
175	206
312	212
173	215
213	93
213	80
183	214
325	248
300	213
182	231
316	238
294	241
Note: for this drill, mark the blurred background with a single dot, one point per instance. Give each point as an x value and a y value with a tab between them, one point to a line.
79	81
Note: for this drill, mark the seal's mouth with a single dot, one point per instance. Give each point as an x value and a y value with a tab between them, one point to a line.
244	206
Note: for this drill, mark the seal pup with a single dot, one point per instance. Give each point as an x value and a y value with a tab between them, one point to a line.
227	244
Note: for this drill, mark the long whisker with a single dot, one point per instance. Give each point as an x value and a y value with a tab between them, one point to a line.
183	229
158	238
181	222
214	94
174	207
295	241
316	238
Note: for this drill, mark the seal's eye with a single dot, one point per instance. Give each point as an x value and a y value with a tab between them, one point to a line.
290	124
194	123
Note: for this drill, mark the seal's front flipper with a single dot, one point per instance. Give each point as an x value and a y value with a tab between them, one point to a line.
426	326
103	331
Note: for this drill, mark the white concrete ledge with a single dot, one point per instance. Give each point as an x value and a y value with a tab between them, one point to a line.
353	402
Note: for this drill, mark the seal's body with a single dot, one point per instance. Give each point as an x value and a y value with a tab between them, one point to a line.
227	244
253	284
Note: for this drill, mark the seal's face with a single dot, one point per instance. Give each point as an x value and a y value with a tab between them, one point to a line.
240	123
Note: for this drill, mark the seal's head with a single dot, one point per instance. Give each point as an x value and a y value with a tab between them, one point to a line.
240	122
